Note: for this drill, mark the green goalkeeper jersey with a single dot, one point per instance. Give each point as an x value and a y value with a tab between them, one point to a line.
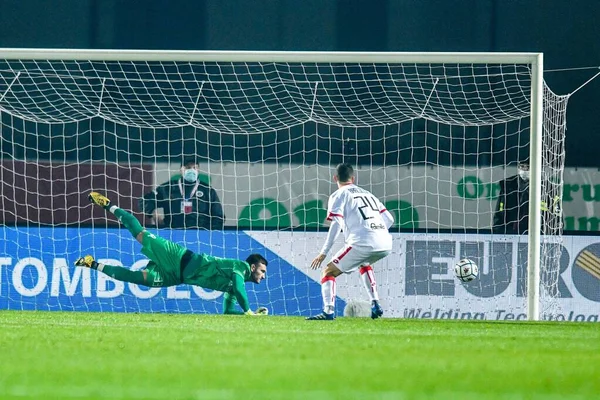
222	274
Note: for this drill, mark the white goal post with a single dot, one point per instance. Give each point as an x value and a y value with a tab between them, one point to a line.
533	61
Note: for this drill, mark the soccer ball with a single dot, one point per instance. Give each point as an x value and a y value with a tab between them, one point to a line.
357	308
466	270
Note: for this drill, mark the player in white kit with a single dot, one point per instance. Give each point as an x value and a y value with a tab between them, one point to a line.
365	223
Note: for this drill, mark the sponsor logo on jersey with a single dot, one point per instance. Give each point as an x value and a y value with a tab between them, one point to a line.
158	280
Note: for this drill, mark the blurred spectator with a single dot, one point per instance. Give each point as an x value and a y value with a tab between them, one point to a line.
512	210
186	201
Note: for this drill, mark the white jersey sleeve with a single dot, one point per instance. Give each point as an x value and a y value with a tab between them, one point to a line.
335	205
332	234
387	216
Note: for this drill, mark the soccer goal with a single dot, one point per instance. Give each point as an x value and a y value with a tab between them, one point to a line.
431	134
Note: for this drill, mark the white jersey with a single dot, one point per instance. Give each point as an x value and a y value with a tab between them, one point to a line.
359	213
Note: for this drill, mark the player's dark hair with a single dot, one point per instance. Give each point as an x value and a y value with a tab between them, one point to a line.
344	172
256	258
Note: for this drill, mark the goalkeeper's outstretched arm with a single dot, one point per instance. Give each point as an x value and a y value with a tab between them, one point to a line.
239	291
229	305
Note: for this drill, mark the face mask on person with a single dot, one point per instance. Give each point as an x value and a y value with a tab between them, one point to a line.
190	175
524	174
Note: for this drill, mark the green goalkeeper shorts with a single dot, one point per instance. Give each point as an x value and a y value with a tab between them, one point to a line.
165	260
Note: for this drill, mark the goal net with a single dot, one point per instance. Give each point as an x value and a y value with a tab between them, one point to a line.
430	134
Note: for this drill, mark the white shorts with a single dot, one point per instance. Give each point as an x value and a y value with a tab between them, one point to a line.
351	258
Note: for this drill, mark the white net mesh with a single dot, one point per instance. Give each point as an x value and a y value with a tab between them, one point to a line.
430	140
242	98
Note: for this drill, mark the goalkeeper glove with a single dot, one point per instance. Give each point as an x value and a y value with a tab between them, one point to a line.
259	311
262	311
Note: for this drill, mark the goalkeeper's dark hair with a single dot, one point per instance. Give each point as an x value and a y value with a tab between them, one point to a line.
256	258
344	172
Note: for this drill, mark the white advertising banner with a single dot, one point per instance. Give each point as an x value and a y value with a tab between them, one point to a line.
281	195
417	279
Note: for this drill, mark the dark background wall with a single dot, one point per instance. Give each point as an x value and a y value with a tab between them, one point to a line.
567	32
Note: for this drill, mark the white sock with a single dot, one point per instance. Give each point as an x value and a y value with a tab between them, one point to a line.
328	293
112	209
100	267
368	279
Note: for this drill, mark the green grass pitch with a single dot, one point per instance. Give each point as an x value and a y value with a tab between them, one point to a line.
56	355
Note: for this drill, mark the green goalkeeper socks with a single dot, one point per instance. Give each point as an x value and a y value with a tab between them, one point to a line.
123	274
127	219
120	273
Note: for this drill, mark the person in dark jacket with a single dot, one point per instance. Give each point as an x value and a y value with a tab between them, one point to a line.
187	202
512	210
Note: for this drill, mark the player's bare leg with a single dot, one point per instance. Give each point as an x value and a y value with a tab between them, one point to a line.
368	279
328	292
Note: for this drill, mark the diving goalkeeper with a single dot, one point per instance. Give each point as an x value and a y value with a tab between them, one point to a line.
171	264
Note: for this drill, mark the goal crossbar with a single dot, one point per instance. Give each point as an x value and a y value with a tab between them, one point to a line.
270	56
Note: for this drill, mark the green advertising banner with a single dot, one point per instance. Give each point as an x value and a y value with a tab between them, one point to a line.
436	197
